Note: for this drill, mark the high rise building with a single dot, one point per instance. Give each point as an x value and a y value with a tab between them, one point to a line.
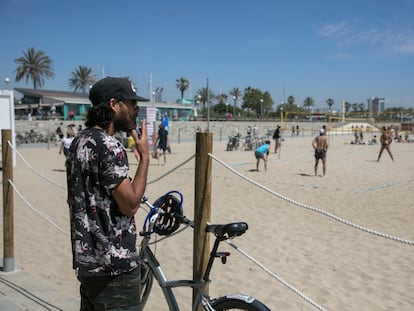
376	105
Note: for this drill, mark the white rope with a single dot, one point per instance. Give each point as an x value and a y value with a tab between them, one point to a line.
48	179
275	276
64	188
314	209
172	170
36	171
37	211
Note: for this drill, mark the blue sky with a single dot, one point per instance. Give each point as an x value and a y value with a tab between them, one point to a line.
345	50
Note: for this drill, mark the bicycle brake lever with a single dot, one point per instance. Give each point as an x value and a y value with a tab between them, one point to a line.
186	221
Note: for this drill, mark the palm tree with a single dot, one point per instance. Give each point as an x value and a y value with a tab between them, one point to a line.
34	65
291	100
308	102
330	103
222	98
82	78
236	94
204	95
182	84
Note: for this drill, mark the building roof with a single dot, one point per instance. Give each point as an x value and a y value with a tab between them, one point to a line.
165	105
61	96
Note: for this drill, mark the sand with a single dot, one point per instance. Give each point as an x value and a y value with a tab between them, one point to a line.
333	264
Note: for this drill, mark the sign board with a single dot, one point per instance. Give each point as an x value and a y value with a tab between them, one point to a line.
150	115
7	115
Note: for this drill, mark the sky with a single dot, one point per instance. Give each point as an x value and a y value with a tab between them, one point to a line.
345	50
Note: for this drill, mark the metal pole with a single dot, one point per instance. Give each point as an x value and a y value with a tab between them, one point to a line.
208	109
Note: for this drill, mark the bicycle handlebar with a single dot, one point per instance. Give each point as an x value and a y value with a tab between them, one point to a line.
165	214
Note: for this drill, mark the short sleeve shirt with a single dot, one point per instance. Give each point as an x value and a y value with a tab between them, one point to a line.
103	239
263	148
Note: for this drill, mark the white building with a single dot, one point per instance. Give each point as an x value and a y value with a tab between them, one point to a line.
376	105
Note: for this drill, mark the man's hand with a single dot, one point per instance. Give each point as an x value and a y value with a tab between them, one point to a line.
141	139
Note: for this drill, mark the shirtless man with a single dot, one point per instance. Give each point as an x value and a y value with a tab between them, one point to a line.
320	145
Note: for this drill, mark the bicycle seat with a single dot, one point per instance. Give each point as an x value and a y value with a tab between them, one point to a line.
228	231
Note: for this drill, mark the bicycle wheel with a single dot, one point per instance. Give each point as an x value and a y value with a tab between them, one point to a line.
238	302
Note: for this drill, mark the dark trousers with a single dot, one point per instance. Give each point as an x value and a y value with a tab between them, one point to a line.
119	293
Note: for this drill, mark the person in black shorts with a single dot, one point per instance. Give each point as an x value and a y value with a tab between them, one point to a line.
320	145
161	143
277	136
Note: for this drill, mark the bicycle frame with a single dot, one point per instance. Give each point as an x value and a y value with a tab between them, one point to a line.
168	285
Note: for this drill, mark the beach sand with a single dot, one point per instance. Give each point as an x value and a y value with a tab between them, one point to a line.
333	264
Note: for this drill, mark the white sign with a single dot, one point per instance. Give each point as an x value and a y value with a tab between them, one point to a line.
7	115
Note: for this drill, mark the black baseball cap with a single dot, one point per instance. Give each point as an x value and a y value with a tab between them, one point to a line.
110	87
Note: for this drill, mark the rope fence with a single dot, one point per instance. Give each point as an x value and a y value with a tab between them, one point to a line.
314	209
244	253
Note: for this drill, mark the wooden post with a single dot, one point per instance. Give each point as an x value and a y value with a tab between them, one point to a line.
202	206
8	209
48	138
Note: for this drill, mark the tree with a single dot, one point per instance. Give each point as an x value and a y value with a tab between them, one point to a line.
34	65
255	99
236	94
361	106
222	103
81	79
222	98
291	100
330	103
182	84
204	96
308	103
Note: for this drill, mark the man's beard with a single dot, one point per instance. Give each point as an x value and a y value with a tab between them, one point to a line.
123	123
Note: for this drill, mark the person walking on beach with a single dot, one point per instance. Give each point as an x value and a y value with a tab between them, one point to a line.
103	199
161	142
66	141
320	145
277	136
262	152
255	131
386	140
59	130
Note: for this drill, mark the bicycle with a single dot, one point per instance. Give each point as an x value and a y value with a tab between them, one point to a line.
248	143
233	143
164	218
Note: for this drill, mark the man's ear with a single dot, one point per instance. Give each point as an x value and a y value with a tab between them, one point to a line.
114	104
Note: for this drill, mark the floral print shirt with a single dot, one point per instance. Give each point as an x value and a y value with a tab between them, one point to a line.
103	239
